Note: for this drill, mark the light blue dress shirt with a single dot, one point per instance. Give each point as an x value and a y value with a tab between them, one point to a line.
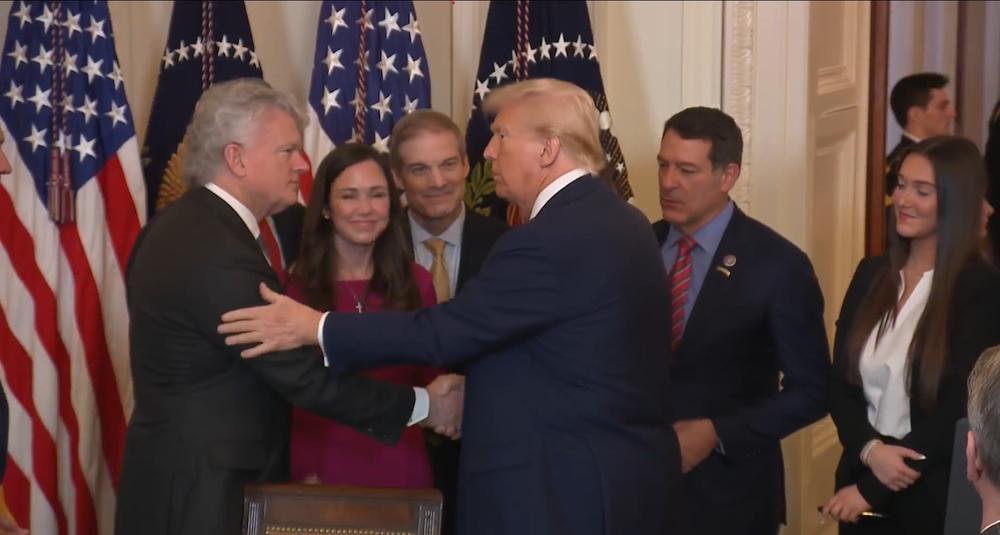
707	238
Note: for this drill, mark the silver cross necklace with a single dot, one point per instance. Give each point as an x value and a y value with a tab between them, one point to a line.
359	304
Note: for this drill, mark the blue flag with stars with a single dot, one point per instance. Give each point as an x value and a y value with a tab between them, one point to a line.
369	71
208	42
526	39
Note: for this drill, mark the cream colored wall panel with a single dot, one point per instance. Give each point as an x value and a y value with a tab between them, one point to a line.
642	64
779	127
468	26
835	213
836	64
701	53
435	20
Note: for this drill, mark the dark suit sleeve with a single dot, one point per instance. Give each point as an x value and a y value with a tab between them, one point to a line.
515	295
376	408
848	406
795	322
974	327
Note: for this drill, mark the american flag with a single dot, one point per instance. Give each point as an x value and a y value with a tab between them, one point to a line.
526	39
369	71
63	320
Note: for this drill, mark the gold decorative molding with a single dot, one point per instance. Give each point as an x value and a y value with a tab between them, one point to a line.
738	60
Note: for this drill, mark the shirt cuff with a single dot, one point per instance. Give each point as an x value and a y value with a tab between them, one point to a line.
319	337
421	406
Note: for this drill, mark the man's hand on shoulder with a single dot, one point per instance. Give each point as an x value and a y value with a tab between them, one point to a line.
282	324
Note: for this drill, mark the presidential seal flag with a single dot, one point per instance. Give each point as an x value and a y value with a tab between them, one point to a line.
208	42
526	39
69	214
369	71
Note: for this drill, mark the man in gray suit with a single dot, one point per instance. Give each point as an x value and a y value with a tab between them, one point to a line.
983	449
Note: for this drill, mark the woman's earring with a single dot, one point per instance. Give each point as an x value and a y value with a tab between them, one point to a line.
326	215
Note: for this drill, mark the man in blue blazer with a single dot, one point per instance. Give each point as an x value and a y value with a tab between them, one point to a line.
567	428
747	309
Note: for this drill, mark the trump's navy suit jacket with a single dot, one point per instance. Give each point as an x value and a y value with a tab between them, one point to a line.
567	428
759	312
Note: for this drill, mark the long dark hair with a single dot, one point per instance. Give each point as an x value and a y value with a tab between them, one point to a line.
960	179
316	267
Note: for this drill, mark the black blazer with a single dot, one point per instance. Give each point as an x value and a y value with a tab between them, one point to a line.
479	233
974	325
566	426
992	156
765	317
206	422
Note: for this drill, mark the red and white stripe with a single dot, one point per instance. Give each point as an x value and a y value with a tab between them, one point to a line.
317	145
64	344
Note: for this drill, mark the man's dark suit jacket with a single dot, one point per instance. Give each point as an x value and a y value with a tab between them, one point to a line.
206	421
566	427
974	325
479	233
765	317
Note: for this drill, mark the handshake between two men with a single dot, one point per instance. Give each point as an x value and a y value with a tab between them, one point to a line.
286	324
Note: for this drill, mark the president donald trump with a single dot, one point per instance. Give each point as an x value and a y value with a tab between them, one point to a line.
563	333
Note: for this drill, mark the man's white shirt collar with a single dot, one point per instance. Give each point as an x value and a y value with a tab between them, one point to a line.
911	137
241	210
452	234
555	187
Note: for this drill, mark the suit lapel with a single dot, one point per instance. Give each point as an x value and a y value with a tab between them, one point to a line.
471	253
231	220
718	287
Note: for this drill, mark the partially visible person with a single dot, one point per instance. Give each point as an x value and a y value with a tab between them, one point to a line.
427	153
922	108
429	162
982	453
910	329
567	413
993	173
7	525
355	259
207	422
749	359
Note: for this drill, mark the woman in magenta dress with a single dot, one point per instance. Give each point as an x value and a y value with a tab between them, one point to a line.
355	257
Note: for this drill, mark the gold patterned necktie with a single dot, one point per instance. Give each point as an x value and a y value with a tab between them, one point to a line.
439	270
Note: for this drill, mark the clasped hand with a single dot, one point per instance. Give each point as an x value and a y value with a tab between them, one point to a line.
447	395
888	464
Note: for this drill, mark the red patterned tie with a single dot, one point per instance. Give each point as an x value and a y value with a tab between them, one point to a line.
680	281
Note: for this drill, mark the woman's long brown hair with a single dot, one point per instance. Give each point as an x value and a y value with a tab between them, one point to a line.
316	266
960	179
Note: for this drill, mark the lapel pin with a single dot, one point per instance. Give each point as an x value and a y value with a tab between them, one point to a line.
729	260
723	270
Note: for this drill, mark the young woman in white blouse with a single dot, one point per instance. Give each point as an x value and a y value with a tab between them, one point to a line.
911	326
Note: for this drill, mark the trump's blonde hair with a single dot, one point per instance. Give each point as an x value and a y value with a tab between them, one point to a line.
556	109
